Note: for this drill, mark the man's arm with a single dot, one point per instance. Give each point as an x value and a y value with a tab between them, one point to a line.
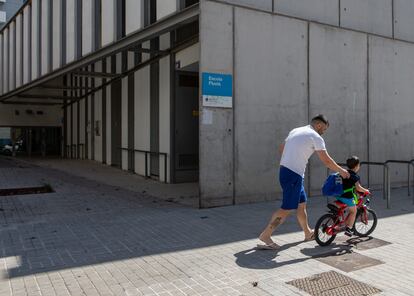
331	164
281	148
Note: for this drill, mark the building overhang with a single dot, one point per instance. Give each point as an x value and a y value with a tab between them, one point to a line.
50	89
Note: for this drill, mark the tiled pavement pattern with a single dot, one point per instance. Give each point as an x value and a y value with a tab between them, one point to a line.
89	238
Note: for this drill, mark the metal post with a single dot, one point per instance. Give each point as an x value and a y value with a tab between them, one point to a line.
146	165
412	163
384	185
165	167
388	188
409	179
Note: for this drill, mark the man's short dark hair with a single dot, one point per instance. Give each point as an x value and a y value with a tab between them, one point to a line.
320	118
352	162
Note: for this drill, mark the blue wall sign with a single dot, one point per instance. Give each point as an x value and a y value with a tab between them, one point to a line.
217	90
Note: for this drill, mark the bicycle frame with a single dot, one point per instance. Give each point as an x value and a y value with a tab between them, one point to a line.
339	212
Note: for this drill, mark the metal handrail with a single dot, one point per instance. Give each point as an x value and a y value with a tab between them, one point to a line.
385	172
165	155
388	179
130	159
412	164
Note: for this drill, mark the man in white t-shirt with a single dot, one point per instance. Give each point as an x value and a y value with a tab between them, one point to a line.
298	147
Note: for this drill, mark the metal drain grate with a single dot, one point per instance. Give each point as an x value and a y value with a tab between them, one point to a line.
367	243
348	261
26	190
333	284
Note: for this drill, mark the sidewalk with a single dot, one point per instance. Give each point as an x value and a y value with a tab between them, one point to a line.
92	238
184	194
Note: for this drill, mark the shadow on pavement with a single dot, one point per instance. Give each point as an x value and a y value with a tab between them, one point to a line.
86	223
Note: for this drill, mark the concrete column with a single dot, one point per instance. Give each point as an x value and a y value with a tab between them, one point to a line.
216	135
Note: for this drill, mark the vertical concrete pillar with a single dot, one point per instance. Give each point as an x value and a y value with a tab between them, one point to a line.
216	124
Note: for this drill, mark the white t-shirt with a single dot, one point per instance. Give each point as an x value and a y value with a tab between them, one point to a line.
299	146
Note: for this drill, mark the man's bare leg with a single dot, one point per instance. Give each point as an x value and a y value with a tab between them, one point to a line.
278	218
302	216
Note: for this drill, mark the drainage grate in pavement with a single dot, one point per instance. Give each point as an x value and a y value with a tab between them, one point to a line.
26	190
332	283
348	261
366	243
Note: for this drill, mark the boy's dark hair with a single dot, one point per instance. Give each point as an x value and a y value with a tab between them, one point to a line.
320	118
352	162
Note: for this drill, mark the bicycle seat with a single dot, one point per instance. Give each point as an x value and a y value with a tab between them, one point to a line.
340	205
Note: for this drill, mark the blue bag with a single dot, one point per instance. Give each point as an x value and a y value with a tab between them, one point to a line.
333	185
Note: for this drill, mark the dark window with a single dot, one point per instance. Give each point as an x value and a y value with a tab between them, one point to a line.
188	80
187	32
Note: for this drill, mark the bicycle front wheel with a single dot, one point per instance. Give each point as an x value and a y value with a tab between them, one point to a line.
365	222
322	237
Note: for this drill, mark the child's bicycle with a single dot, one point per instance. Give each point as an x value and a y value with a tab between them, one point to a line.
330	224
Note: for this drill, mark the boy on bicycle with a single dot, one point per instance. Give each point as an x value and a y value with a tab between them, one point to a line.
350	197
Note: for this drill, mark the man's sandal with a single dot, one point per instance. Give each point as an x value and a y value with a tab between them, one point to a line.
311	237
272	246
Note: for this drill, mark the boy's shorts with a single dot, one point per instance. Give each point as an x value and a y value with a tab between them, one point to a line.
350	202
293	190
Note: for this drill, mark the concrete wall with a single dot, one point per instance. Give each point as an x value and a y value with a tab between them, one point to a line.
264	105
216	139
45	28
5	70
372	16
27	45
124	123
403	19
87	26
56	34
35	40
142	117
338	88
12	56
259	4
188	56
361	82
324	11
108	21
166	7
70	30
391	103
19	49
134	15
165	118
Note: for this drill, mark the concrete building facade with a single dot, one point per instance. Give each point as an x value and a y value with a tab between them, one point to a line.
206	90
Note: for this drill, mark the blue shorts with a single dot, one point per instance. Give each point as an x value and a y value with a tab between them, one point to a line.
350	202
293	190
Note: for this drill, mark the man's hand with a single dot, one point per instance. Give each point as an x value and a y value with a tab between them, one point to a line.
331	164
344	173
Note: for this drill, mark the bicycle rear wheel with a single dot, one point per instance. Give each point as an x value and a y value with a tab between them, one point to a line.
365	222
321	236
